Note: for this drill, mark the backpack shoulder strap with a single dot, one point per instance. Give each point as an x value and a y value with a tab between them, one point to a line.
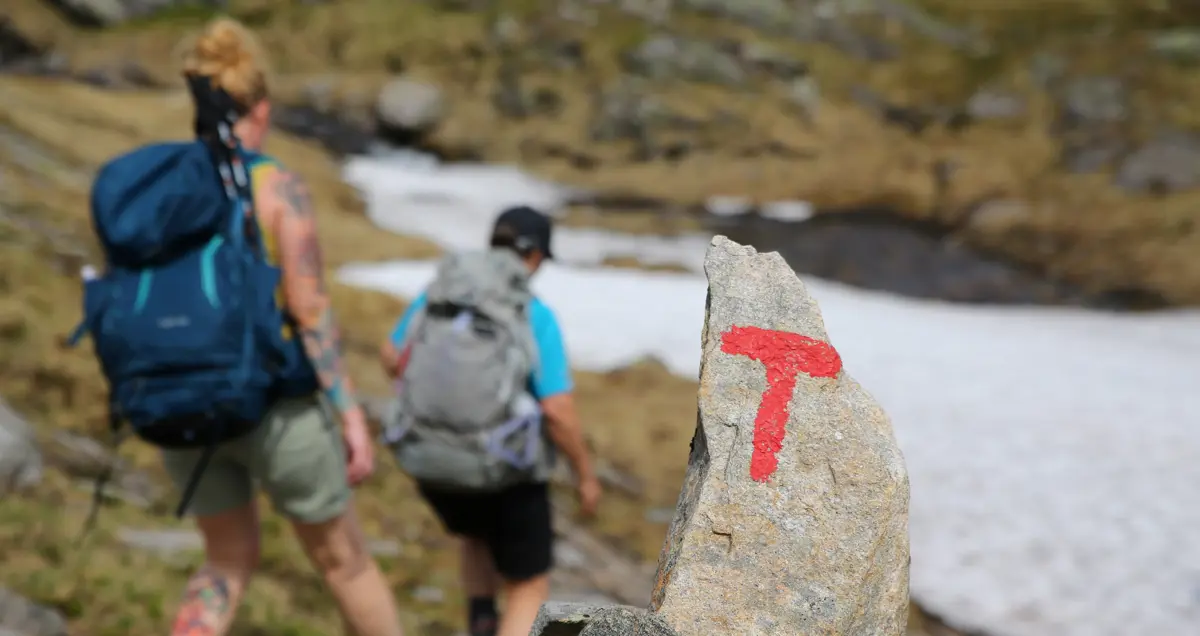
257	161
414	324
260	167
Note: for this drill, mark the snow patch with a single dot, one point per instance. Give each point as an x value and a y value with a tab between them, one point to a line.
454	206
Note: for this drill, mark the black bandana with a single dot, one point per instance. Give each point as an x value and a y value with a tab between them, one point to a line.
213	106
216	114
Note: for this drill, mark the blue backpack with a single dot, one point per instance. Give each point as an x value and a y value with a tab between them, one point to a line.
184	319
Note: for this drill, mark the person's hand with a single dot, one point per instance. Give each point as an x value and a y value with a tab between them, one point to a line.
360	454
589	495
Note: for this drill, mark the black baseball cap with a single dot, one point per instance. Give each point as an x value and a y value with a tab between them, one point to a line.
526	228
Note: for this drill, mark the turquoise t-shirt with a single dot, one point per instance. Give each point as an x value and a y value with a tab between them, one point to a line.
552	374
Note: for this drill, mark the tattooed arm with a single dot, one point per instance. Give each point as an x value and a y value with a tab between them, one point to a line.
308	300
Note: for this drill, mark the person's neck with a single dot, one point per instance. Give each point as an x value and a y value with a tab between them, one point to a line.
247	135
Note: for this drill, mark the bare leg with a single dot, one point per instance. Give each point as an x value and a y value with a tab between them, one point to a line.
479	575
522	600
481	583
338	549
231	554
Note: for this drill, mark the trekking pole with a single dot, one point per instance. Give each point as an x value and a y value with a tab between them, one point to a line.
82	548
110	466
97	500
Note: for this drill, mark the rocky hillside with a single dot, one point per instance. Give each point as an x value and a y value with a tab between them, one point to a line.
1057	134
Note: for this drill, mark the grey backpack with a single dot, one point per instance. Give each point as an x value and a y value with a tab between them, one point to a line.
463	418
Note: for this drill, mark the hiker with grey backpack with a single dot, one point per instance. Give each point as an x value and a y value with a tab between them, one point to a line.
484	399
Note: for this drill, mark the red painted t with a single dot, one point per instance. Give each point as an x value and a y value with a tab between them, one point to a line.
785	355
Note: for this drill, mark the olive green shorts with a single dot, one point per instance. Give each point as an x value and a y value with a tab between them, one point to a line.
296	456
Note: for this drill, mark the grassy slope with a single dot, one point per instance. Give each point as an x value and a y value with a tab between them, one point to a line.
118	591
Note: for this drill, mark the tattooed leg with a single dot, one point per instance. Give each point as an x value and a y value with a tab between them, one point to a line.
206	608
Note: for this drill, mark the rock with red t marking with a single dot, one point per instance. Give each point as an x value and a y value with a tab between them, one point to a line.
793	518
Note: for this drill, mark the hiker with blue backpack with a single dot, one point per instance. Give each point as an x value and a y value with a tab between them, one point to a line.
484	395
213	327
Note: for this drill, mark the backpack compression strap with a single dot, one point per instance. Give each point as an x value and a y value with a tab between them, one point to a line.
216	114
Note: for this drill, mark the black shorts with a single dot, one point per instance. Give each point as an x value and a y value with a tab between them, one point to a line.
513	523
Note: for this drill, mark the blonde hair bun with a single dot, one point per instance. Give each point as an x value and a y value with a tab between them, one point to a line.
230	55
